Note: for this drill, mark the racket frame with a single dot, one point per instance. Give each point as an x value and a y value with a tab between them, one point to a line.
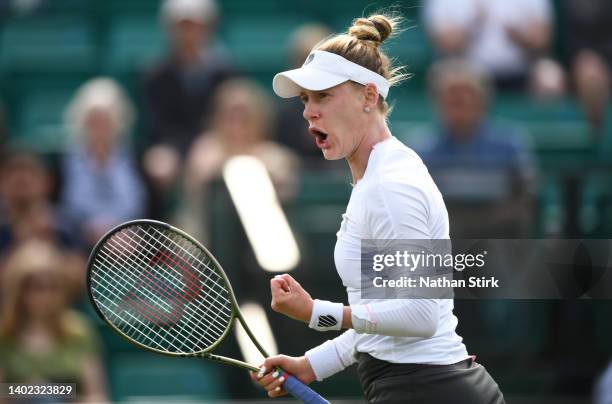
236	313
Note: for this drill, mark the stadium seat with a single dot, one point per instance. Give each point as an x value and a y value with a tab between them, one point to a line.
412	49
554	126
603	326
134	42
551	207
606	218
116	7
411	103
253	9
40	121
504	334
260	44
148	374
46	44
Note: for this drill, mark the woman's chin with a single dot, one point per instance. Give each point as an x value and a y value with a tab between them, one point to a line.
329	154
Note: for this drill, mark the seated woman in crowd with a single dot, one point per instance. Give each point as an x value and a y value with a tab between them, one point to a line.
242	123
101	184
27	212
41	339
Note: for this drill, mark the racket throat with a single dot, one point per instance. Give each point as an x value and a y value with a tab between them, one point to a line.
229	361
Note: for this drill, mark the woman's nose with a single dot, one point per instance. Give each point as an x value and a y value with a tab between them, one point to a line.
310	111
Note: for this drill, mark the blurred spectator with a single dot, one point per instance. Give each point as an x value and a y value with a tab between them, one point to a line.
588	49
178	92
41	340
547	81
501	37
591	77
241	125
586	52
27	213
25	187
603	388
474	161
101	186
292	128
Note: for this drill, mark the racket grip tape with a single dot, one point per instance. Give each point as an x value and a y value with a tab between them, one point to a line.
300	391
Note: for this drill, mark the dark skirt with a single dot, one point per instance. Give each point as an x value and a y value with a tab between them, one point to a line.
466	382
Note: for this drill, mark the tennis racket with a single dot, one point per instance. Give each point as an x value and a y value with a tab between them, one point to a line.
163	291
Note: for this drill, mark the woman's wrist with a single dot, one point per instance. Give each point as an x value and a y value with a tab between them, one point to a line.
309	375
347	320
308	313
326	316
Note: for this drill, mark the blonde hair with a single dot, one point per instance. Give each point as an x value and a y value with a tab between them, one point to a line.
241	91
100	93
361	45
30	259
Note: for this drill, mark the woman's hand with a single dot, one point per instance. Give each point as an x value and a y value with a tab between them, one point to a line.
290	299
272	380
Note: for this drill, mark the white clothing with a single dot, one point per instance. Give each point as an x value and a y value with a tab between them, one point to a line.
489	46
395	199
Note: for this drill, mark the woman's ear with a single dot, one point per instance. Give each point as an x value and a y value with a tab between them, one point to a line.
371	95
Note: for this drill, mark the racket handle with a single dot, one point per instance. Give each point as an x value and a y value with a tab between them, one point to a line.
302	392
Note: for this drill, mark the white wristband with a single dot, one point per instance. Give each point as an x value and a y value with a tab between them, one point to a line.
326	315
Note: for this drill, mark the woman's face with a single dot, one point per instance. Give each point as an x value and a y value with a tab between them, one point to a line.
42	296
189	35
23	183
462	106
237	120
335	118
100	129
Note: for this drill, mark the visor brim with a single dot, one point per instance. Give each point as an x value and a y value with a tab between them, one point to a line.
290	83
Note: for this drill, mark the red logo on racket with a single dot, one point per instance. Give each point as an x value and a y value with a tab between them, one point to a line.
167	285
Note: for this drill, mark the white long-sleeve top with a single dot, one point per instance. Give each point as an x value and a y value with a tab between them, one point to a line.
395	199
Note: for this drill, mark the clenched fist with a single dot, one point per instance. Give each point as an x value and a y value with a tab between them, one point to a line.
290	299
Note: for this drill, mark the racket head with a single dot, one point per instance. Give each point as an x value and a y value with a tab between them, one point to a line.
160	289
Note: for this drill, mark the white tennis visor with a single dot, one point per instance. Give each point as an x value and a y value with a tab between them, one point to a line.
323	70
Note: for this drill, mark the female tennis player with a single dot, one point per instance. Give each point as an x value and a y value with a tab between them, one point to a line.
406	350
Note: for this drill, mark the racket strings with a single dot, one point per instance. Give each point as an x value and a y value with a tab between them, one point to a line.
225	309
208	266
174	277
213	281
142	308
141	285
130	330
147	293
161	291
215	313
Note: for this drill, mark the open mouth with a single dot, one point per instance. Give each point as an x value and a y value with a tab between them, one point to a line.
320	137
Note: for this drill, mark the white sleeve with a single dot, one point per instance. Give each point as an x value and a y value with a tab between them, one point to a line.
397	318
402	212
333	356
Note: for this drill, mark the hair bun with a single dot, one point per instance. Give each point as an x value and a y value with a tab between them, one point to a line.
375	28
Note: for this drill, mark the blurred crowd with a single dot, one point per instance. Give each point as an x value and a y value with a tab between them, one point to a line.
196	110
